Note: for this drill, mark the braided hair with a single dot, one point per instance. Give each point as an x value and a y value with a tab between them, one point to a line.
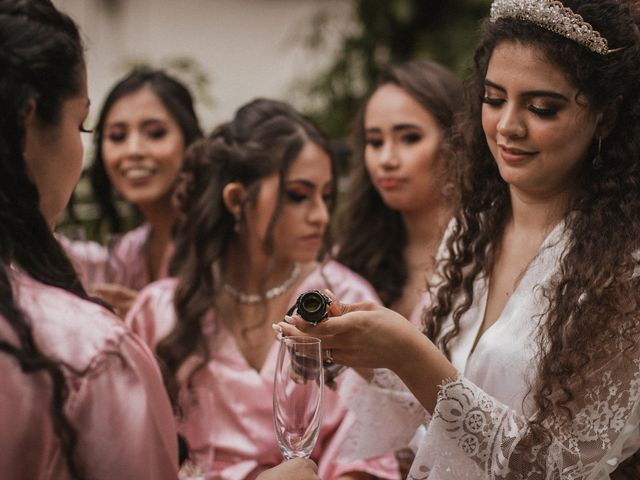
41	62
265	137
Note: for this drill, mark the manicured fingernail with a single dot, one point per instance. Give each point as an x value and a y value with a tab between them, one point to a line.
288	319
276	327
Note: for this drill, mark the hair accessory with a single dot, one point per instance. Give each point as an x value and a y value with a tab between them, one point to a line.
555	17
254	298
597	160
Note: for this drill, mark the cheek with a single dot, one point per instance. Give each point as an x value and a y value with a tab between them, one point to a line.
171	148
109	157
489	123
424	158
369	159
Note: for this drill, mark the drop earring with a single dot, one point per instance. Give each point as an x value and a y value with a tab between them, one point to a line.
237	222
597	160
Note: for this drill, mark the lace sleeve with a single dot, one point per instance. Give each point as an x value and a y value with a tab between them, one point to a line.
386	415
472	435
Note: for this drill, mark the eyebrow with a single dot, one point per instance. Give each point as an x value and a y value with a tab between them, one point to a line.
146	122
305	183
529	93
396	128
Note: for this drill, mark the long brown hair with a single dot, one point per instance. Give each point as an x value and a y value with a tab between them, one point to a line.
265	137
365	215
41	61
594	299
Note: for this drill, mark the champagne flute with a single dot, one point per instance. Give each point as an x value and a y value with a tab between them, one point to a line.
297	395
195	425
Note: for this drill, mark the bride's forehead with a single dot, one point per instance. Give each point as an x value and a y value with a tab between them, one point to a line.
527	66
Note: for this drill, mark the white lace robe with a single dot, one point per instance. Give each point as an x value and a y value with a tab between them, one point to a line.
481	416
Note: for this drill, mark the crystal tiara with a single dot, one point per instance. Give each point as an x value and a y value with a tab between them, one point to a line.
555	17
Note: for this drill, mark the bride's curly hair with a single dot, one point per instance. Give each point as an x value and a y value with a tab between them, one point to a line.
594	299
265	137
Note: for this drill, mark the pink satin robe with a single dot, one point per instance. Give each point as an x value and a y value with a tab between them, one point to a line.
242	432
119	408
123	262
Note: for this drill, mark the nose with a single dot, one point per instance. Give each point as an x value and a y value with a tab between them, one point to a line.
388	156
134	145
318	213
511	124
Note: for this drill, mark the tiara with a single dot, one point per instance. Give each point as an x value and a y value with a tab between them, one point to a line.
555	17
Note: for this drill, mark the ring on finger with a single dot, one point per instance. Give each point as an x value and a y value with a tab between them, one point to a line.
328	355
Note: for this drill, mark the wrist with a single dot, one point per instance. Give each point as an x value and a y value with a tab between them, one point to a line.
423	368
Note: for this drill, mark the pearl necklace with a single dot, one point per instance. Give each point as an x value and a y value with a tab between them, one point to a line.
254	298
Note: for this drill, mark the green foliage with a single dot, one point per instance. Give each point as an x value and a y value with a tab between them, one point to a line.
387	31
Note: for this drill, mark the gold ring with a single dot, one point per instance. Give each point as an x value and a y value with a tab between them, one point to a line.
328	355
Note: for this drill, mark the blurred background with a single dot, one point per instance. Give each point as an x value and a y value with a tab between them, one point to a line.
320	55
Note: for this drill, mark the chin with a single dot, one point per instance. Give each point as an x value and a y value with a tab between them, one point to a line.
142	198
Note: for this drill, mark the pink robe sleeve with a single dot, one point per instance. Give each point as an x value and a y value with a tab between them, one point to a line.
122	262
124	419
117	404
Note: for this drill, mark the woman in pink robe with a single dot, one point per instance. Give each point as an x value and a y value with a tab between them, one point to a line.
256	197
396	193
143	130
81	396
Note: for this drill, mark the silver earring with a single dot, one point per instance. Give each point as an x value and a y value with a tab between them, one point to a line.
237	223
597	160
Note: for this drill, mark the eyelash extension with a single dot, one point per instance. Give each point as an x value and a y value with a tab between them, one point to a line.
156	133
373	142
296	197
494	102
411	138
543	112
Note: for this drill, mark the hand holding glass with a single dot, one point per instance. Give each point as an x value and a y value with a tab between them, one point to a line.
297	395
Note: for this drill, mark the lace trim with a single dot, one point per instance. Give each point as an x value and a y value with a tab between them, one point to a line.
472	435
386	415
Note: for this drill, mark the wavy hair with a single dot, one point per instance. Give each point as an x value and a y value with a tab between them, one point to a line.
595	282
265	137
175	97
41	61
365	215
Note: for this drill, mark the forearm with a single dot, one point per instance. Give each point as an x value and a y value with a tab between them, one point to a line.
423	368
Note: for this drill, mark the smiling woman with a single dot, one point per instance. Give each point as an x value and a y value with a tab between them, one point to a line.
143	130
536	123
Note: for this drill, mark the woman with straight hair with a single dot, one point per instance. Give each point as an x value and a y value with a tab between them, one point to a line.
144	127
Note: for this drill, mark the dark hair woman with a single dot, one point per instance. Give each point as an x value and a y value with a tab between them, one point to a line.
255	198
144	128
74	378
397	193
